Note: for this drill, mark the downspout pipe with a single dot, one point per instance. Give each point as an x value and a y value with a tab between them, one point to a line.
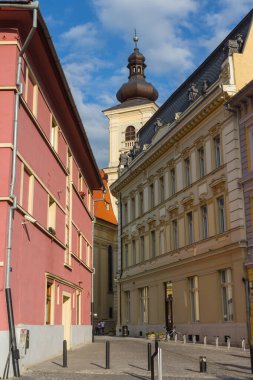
92	275
14	350
120	247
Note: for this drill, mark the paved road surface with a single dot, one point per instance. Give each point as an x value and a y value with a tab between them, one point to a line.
128	361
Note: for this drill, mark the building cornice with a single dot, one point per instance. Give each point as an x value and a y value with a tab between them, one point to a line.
187	122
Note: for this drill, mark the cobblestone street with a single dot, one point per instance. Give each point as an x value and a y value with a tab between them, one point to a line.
128	360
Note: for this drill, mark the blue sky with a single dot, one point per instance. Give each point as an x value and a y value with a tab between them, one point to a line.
93	39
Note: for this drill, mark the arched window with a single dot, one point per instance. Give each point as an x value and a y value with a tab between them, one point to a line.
130	133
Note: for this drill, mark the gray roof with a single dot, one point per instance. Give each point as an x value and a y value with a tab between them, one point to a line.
130	103
209	70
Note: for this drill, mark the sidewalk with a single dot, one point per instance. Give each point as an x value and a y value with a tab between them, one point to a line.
128	360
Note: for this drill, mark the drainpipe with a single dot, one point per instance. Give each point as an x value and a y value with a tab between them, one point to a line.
14	350
92	275
120	245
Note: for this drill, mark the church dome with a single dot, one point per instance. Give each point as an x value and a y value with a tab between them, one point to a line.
136	87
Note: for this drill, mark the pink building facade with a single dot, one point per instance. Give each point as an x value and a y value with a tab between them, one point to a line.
47	177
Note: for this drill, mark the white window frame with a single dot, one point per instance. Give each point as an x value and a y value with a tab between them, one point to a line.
227	294
144	304
221	215
194	298
217	151
204	221
174	234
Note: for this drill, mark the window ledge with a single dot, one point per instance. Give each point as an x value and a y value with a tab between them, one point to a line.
67	266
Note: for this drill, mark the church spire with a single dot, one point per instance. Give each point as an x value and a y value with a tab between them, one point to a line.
136	87
136	38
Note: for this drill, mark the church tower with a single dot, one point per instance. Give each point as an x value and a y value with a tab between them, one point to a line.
137	104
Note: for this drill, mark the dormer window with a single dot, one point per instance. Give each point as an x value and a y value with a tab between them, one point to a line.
130	133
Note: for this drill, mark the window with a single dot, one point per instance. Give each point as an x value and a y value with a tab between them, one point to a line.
187	167
152	195
172	181
143	292
226	294
161	185
78	308
133	252
110	269
125	213
162	242
204	222
221	214
88	255
194	298
79	244
51	222
54	134
130	133
141	203
142	248
127	306
174	234
201	156
27	189
49	303
32	93
153	244
126	255
132	208
217	151
190	236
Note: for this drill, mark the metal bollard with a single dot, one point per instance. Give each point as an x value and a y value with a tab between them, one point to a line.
160	369
153	361
202	364
228	343
194	339
65	357
149	356
175	338
184	338
107	355
217	341
243	344
205	340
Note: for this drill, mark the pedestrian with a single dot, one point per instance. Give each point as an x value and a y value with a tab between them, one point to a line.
99	328
103	327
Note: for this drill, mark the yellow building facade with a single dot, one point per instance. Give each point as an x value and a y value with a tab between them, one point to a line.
181	221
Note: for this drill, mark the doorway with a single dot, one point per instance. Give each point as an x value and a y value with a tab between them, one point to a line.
66	317
169	306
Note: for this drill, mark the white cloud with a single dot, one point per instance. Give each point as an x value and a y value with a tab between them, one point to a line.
158	25
171	32
81	35
218	23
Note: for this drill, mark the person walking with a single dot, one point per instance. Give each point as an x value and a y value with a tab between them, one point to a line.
99	328
103	327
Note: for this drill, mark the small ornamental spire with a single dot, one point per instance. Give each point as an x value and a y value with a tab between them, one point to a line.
136	38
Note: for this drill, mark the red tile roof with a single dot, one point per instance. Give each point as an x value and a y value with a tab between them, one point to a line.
102	202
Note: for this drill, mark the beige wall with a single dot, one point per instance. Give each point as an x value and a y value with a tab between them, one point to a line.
105	235
204	258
